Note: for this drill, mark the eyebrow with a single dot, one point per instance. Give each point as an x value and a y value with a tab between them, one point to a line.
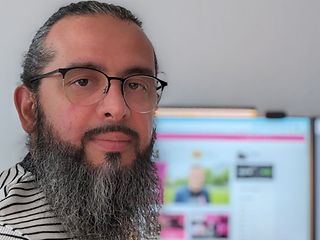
138	70
125	73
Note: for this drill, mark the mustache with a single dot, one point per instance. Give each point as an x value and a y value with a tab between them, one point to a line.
88	135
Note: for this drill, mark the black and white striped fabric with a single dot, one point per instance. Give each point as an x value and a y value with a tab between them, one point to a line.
24	212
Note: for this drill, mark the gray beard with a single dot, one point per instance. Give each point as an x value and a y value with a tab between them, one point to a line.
108	201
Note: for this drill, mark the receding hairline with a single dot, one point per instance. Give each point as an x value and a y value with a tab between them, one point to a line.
39	56
97	15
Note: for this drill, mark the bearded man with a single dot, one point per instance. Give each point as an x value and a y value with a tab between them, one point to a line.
87	101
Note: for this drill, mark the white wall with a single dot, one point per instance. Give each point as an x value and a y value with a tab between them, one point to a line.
262	53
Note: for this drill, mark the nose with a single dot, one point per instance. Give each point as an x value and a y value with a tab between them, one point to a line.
113	106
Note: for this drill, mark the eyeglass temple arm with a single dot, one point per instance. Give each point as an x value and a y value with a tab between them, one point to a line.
39	77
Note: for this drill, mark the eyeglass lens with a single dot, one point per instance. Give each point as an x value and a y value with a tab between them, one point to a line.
86	86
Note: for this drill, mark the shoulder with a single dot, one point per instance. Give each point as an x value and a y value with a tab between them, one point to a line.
8	234
18	193
16	176
11	180
182	194
24	210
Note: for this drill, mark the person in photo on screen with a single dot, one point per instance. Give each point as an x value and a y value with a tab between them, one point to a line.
87	101
195	191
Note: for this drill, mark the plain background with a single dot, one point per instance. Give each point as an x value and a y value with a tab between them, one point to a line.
259	53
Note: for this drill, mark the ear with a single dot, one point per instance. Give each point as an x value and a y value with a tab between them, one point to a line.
25	105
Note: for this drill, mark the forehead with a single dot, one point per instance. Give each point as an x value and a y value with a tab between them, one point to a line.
197	171
99	39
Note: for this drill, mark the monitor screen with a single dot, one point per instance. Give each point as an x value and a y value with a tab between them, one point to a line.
234	178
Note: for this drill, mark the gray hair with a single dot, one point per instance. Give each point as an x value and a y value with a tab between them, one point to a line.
38	56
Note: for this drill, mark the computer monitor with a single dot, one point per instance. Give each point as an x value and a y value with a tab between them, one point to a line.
236	178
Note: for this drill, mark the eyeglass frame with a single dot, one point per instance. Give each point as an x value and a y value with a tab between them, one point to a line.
63	72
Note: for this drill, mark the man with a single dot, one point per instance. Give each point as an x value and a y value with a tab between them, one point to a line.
195	192
87	103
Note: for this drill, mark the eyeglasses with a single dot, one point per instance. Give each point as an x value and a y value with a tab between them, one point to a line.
85	86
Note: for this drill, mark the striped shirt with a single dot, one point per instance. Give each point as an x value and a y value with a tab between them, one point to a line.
24	212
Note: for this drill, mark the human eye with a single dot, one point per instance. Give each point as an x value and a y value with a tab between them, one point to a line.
137	84
81	82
